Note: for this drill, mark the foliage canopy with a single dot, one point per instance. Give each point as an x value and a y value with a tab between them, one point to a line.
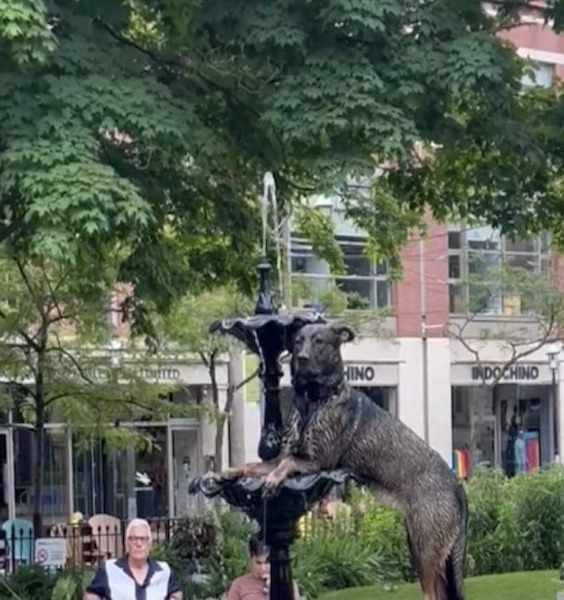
150	122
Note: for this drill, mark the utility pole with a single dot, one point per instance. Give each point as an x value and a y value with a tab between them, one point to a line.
236	419
424	346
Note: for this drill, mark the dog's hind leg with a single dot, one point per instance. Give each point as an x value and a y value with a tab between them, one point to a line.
430	576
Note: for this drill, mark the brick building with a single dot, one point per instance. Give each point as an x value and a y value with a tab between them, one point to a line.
413	368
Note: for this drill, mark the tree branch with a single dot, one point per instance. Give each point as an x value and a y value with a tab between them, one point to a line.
72	358
247	379
27	282
21	331
204	359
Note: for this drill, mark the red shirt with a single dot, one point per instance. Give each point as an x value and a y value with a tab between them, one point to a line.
249	587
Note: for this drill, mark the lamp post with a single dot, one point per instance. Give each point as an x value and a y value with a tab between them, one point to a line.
553	355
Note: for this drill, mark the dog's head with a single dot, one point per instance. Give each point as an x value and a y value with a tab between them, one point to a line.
316	357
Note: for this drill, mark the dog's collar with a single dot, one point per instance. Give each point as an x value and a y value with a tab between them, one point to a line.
316	390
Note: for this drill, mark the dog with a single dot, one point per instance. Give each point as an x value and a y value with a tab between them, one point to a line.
333	426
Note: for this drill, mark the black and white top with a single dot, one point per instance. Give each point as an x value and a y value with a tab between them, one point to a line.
114	581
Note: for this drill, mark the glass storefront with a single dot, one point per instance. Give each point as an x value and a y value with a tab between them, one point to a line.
99	479
135	482
384	397
92	478
486	422
54	497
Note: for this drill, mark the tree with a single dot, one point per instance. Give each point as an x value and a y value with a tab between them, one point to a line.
55	363
151	123
521	292
186	328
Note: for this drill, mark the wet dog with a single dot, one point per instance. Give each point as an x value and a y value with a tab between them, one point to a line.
336	427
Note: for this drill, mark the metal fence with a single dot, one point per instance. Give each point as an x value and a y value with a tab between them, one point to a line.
89	543
63	546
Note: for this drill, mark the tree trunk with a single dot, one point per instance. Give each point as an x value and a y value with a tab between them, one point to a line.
38	464
219	416
218	448
236	409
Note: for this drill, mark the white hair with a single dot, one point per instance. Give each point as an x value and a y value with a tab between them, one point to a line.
138	523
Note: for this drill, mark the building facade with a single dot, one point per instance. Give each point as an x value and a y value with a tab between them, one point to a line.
93	478
438	383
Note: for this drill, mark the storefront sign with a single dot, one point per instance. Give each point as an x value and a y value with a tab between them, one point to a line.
359	373
50	552
504	373
161	374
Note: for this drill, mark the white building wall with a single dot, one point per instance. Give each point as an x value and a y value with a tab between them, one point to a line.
439	397
399	363
410	384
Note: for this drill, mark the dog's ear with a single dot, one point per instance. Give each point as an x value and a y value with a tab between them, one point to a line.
344	334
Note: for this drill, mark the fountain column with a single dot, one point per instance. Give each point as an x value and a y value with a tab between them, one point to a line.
268	333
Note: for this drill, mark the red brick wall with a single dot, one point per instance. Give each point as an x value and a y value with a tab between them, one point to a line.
537	37
435	280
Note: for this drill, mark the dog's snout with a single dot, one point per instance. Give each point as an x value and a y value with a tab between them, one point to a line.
303	357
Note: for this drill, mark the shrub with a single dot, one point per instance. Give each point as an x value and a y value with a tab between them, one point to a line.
532	521
486	495
384	531
29	582
330	558
230	556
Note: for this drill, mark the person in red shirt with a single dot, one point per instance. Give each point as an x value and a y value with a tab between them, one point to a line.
255	585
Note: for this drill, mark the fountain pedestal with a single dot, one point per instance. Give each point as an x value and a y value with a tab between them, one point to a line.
277	517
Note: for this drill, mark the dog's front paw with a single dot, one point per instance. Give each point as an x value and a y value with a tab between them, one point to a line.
271	485
230	474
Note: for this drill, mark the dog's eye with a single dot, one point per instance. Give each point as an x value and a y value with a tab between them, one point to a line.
318	341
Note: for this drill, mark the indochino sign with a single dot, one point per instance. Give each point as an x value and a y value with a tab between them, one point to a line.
359	373
505	373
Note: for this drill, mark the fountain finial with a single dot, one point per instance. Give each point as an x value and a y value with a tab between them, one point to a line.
266	302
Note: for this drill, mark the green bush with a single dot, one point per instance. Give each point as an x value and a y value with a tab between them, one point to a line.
29	582
230	556
532	521
333	558
383	530
486	493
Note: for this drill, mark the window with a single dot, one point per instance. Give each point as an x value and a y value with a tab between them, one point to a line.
541	74
474	255
366	283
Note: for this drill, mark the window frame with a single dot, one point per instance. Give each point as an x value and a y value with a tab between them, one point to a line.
300	248
542	259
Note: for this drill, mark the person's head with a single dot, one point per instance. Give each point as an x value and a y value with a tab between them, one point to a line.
138	539
260	566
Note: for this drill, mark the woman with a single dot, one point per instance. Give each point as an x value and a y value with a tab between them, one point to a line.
136	576
256	584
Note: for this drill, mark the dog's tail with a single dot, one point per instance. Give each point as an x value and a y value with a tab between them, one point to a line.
454	567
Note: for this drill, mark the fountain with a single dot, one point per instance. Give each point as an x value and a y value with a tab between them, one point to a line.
268	334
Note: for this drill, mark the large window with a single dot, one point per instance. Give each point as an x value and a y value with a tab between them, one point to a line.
366	283
475	254
541	75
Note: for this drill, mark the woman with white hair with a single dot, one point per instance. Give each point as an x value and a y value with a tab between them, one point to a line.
136	576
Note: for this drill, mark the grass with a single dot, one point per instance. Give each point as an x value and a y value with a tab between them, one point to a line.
534	585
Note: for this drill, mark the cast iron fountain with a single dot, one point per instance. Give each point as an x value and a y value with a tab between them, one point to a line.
268	334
